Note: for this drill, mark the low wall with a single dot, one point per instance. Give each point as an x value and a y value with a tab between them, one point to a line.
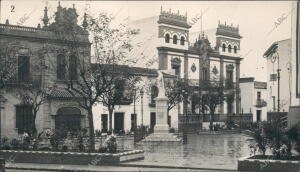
74	158
268	165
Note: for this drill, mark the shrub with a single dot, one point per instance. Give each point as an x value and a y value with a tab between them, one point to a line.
229	124
272	135
15	144
5	145
111	144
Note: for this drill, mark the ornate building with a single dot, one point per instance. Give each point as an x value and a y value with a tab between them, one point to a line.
44	60
165	40
199	61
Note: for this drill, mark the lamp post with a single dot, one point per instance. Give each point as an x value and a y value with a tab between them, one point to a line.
142	104
185	111
134	97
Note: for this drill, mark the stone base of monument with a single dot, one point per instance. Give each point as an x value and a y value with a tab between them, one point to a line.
161	129
162	137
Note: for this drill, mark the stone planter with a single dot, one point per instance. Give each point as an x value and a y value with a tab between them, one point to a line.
268	165
74	158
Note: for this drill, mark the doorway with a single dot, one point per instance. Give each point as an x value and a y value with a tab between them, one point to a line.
119	122
258	115
152	120
104	123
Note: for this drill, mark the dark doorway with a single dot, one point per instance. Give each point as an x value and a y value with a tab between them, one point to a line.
258	115
133	122
68	119
104	123
119	122
169	120
152	120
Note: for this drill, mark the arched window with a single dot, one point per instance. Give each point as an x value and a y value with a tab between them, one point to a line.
61	67
154	94
167	38
229	48
175	39
73	67
68	119
235	49
182	40
223	47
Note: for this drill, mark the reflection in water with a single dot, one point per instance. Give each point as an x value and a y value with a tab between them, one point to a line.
206	151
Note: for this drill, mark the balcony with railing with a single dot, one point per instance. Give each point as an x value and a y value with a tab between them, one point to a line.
260	103
15	30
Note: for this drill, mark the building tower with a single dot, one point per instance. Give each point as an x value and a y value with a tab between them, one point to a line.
228	45
173	32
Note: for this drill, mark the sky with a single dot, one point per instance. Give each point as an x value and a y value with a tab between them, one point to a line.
260	23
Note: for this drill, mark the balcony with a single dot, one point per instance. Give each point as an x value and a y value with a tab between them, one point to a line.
260	103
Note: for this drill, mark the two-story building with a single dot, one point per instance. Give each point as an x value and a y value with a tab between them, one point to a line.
44	60
253	98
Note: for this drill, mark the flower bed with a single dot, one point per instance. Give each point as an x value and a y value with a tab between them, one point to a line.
267	163
75	158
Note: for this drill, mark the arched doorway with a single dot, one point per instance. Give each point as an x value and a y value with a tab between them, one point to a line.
68	119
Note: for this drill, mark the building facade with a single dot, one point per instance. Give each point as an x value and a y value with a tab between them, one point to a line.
278	57
44	61
200	61
166	41
253	98
140	109
294	110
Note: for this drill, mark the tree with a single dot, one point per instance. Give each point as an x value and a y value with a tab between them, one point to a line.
212	96
111	47
34	96
8	61
174	91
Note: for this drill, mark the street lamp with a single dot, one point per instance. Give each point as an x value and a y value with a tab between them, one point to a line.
185	111
134	111
142	110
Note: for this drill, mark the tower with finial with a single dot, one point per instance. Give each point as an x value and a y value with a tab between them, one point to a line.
45	18
173	29
228	39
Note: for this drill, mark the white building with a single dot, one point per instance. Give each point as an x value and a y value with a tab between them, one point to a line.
139	110
294	111
278	56
253	98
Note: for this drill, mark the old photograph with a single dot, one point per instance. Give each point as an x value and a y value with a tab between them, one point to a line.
88	86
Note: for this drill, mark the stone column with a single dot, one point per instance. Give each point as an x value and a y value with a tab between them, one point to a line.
161	125
237	88
222	81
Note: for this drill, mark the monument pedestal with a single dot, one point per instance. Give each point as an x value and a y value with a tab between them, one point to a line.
161	129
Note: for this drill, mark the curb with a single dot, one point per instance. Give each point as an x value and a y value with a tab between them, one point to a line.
117	165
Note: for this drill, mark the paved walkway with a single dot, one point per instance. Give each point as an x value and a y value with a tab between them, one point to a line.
28	167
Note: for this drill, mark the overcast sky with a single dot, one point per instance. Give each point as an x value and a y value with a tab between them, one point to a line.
256	20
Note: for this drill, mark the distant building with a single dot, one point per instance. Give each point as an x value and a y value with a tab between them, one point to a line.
294	111
42	60
253	98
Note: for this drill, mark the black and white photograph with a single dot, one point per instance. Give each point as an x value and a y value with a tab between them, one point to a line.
91	85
